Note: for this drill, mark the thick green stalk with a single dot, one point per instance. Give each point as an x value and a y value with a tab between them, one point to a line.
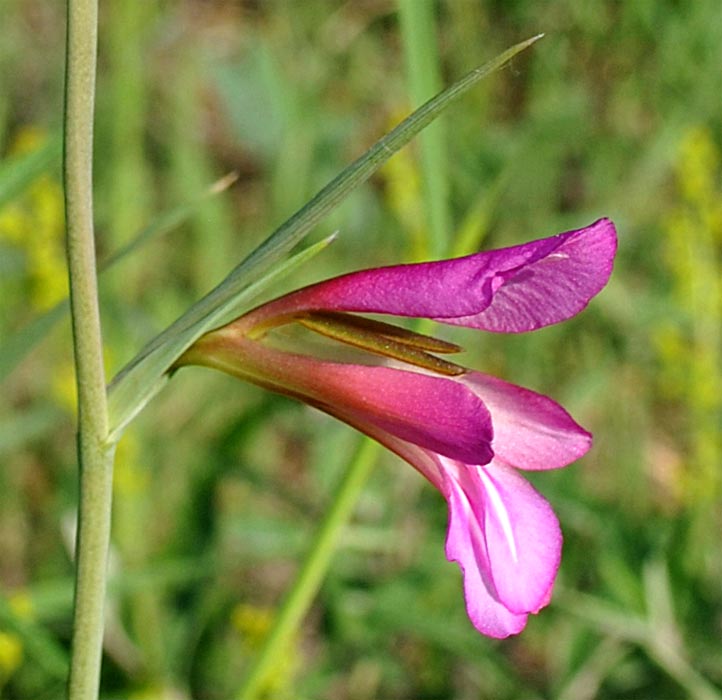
314	568
95	455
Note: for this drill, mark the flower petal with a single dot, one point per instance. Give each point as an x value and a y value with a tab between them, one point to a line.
555	283
530	430
440	414
502	533
465	539
506	539
508	290
437	413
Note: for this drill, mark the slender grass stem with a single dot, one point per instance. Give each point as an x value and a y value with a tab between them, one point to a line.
95	454
314	569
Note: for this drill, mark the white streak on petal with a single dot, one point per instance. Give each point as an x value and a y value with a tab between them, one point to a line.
497	504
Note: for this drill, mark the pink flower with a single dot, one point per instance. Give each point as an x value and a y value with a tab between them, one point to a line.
468	433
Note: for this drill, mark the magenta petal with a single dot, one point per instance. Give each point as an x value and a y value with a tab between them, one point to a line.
436	413
506	539
555	283
530	430
466	541
511	290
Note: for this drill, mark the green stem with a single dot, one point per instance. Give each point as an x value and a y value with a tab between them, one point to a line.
95	454
314	569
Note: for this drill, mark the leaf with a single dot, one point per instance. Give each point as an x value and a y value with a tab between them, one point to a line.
40	646
20	427
143	376
21	342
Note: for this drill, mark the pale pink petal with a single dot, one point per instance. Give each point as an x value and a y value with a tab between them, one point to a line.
466	545
506	539
510	290
466	539
502	533
530	430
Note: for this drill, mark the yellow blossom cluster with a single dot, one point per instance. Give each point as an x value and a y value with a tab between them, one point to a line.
11	645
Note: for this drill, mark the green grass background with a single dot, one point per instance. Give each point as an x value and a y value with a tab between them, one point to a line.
218	487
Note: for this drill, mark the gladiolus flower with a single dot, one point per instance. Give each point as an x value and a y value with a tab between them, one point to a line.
468	433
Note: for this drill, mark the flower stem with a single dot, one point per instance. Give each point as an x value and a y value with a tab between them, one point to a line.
95	454
314	569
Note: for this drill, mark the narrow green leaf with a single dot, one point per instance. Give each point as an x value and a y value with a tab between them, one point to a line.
293	230
21	342
40	646
142	377
19	427
168	221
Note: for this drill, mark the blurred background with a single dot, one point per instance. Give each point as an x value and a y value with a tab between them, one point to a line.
219	486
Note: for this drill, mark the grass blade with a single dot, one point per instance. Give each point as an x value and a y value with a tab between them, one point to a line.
130	395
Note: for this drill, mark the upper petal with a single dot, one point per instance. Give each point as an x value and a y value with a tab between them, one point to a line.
510	290
556	282
531	431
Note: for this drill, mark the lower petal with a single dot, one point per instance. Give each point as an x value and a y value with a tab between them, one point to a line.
523	539
501	532
507	541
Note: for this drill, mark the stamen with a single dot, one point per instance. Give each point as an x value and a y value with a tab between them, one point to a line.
383	339
386	330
